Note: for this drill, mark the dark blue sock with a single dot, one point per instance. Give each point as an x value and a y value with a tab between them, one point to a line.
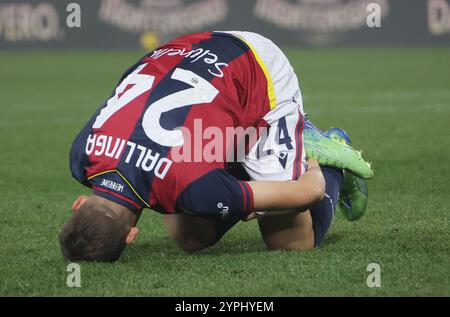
322	213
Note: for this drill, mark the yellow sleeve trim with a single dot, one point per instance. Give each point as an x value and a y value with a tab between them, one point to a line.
125	180
270	88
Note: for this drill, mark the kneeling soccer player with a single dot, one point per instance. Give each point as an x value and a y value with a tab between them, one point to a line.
216	82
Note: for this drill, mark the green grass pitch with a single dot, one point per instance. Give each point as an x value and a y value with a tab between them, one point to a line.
395	104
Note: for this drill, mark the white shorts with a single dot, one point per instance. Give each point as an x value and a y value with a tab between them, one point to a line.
278	155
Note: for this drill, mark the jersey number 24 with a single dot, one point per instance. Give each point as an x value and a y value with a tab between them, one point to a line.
202	92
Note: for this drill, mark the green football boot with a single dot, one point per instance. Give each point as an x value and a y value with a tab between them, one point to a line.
354	193
329	151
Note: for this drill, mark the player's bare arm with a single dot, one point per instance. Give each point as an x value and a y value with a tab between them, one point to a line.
290	195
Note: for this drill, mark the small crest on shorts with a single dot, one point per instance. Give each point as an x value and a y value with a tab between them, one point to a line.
282	158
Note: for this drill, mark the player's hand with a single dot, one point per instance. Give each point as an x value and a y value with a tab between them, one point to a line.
312	163
315	174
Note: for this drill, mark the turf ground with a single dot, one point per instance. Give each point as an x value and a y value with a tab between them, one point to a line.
395	103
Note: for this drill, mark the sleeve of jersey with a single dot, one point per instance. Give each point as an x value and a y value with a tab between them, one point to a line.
78	159
216	194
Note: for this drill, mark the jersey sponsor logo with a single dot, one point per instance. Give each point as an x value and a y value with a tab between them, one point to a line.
112	185
143	158
195	55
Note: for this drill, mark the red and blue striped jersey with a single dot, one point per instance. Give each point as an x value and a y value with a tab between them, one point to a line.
195	82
